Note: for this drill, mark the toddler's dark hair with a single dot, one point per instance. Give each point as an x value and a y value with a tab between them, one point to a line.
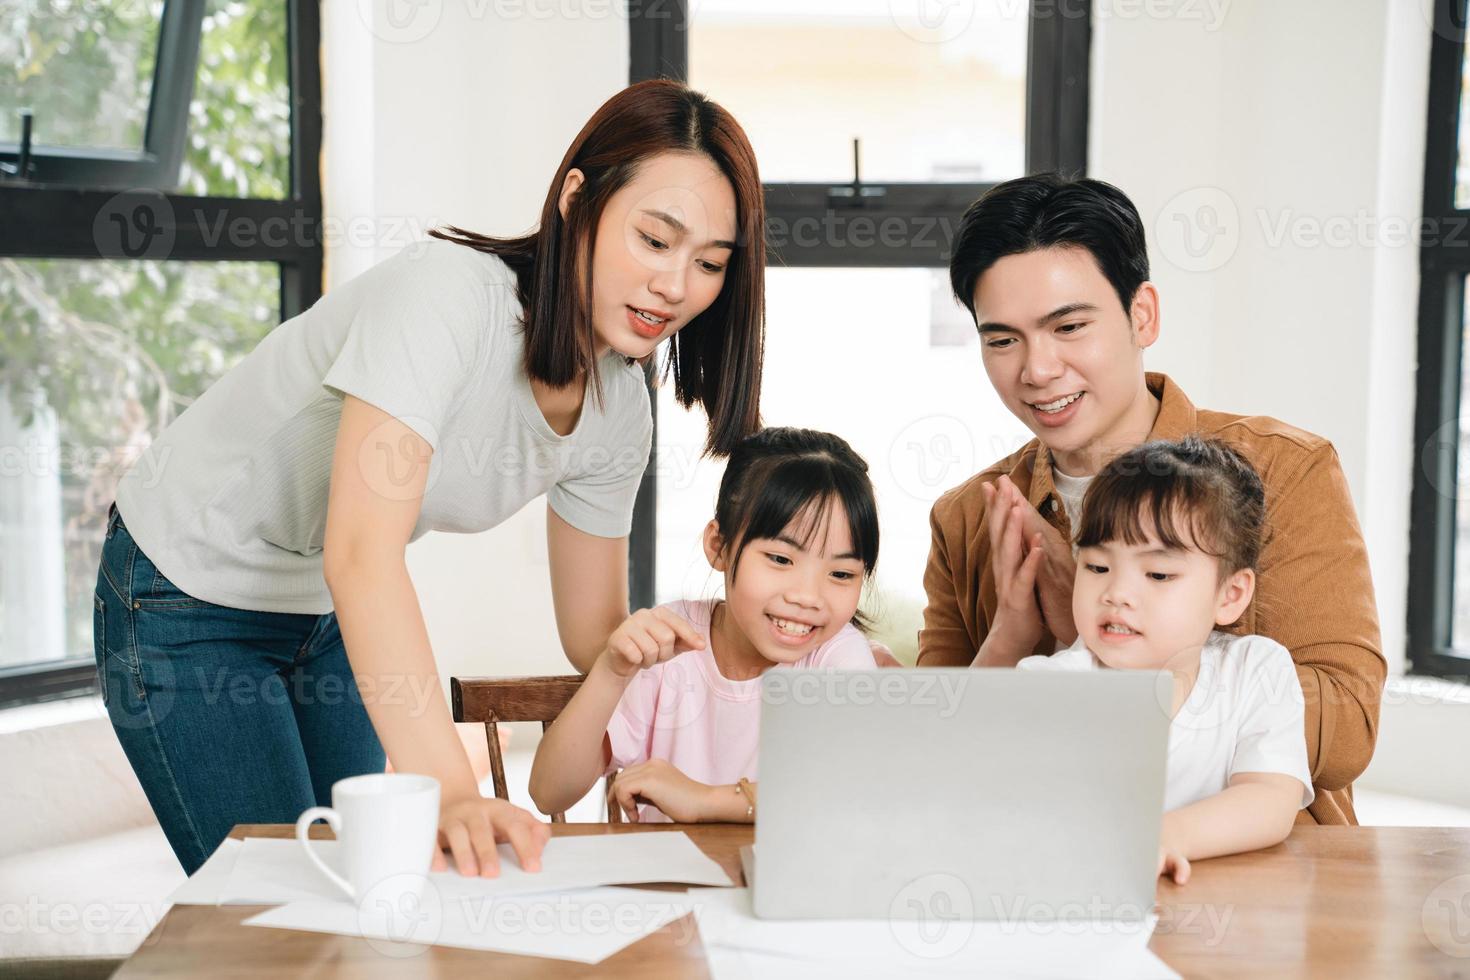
783	475
1194	492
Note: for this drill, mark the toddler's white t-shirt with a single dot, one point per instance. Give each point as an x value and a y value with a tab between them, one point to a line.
1245	714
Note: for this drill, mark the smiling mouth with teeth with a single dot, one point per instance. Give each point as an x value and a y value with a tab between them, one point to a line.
792	629
648	317
1120	629
1057	405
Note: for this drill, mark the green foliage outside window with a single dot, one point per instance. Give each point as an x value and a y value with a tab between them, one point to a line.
115	349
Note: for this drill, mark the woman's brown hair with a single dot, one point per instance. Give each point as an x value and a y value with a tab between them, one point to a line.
1194	492
715	359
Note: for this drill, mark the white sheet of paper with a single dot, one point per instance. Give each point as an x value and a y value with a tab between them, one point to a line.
205	885
1101	949
592	860
273	871
270	871
585	926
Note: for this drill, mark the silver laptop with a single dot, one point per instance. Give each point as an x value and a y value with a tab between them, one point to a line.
954	793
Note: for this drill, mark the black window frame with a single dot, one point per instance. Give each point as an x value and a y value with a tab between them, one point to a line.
1059	46
54	215
156	164
1444	263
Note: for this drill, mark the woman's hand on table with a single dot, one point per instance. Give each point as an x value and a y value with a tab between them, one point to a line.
470	828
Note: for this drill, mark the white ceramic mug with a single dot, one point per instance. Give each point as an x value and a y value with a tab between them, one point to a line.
387	825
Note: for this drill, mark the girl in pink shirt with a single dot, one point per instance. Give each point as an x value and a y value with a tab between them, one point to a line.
673	702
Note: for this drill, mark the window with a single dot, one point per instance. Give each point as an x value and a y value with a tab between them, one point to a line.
167	221
1439	535
876	124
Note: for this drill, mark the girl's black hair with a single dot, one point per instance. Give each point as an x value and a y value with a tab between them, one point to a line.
1194	492
784	478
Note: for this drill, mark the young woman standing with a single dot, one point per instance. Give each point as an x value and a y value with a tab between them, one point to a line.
257	633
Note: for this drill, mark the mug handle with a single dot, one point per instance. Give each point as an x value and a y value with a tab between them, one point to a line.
334	821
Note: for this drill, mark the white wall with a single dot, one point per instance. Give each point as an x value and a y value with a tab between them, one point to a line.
1288	120
1288	138
460	115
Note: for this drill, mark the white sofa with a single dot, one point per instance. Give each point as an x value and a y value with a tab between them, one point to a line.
84	866
85	869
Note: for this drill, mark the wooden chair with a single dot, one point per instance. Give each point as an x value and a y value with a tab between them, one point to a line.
492	700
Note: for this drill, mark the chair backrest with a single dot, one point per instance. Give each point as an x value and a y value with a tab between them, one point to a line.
491	700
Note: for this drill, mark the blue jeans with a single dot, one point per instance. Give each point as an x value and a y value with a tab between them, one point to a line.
227	716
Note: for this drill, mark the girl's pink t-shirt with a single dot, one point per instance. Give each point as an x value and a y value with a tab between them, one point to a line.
687	713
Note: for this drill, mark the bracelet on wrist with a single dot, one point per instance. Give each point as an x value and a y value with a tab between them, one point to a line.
745	789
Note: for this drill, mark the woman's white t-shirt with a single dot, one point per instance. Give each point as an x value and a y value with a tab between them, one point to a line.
230	502
1244	714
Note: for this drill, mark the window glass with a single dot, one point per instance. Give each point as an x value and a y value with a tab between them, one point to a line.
84	68
935	91
877	357
95	359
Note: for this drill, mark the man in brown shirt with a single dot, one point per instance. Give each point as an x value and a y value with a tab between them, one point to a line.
1055	273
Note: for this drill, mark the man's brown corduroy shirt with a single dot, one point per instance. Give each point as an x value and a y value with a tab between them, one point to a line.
1314	594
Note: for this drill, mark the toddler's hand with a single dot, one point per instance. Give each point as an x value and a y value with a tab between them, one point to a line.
648	637
1173	864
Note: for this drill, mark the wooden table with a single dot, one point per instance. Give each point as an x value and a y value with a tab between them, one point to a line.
1331	901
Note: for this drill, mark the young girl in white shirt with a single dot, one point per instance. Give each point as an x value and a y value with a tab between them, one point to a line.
1167	549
